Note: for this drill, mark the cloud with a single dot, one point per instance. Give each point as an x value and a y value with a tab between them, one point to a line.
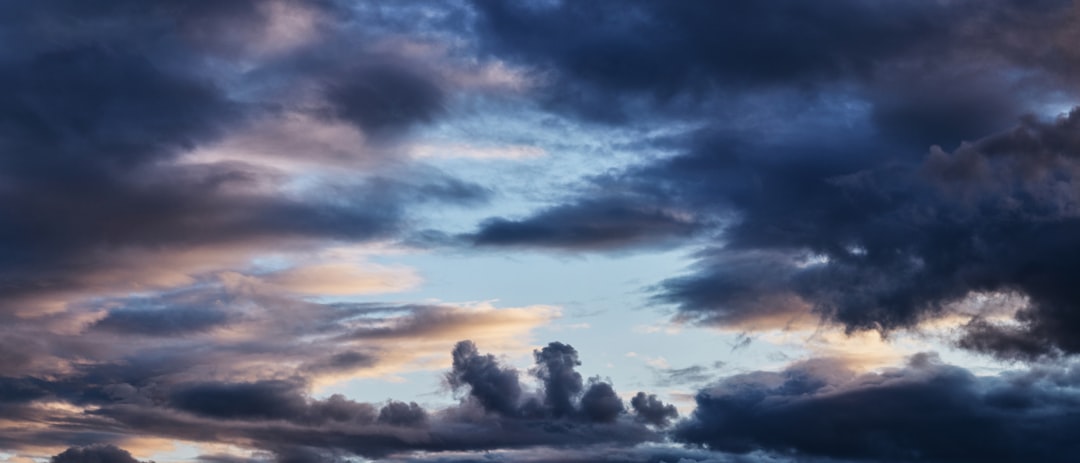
384	98
94	454
259	400
496	388
555	366
651	410
176	178
280	416
814	409
106	129
402	414
817	229
925	410
600	403
599	66
171	321
592	224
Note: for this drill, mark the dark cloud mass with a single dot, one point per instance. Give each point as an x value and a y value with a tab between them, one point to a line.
96	121
555	365
94	454
161	322
880	220
385	98
653	411
591	224
280	417
260	400
496	388
402	414
662	49
925	411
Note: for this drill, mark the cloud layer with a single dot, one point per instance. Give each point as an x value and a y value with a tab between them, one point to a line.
218	220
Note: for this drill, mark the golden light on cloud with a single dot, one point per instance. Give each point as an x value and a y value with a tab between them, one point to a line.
341	278
421	339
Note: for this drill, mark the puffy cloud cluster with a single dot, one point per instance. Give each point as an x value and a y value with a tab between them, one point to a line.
814	410
497	390
279	416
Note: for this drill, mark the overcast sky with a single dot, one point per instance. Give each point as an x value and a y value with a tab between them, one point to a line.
291	231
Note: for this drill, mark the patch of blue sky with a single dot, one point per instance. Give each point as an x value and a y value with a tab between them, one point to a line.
606	315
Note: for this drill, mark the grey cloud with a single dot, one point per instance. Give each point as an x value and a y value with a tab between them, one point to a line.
162	322
402	414
555	366
590	224
385	98
652	410
926	411
495	387
600	403
279	417
258	400
94	454
97	120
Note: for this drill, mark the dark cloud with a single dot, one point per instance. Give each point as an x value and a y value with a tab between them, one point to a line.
384	99
97	123
162	322
555	366
279	417
402	414
339	409
888	247
652	410
16	390
600	403
258	400
94	454
93	109
591	224
495	387
925	411
854	231
605	50
917	64
848	219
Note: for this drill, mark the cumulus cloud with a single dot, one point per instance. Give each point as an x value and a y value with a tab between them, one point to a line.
652	410
94	454
281	417
495	387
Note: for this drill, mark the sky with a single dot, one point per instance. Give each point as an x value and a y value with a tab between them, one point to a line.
293	231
